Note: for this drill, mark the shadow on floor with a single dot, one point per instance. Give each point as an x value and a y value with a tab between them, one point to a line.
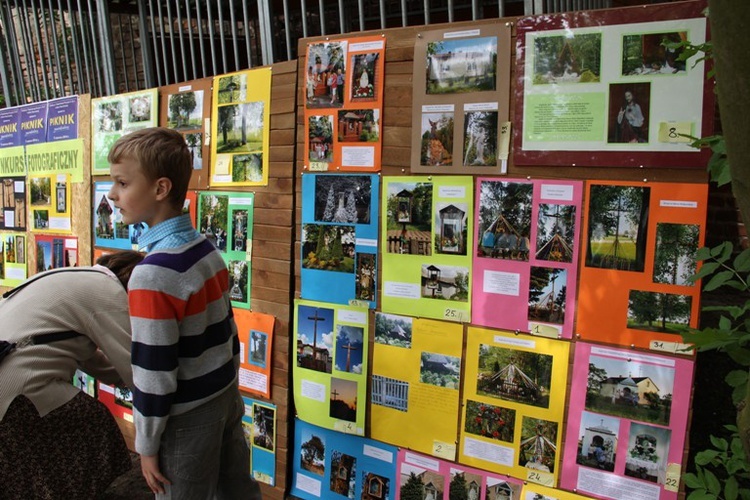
129	486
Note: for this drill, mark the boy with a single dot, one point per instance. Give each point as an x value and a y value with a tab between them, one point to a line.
185	352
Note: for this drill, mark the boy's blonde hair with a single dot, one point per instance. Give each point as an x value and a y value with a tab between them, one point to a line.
161	152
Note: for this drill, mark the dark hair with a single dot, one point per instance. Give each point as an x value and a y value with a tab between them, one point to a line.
161	152
121	263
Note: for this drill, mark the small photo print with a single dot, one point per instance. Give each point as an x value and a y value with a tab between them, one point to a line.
43	256
343	399
390	392
440	370
648	451
343	198
258	342
437	139
504	220
365	276
61	193
104	219
555	232
232	88
263	427
461	65
428	483
653	53
464	481
343	474
349	345
359	125
480	138
247	167
124	397
240	128
328	248
185	110
445	282
312	453
497	489
315	338
512	375
41	219
490	421
194	143
659	312
110	116
618	222
363	77
374	486
564	59
20	249
320	138
239	230
238	280
538	449
212	219
547	294
450	221
674	256
391	329
326	74
597	444
409	221
140	109
629	112
41	191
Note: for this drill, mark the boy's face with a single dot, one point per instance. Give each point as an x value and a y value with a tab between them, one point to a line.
133	193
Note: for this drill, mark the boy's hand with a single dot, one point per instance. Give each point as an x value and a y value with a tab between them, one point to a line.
154	477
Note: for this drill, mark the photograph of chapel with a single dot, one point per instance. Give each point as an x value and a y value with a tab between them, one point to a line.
420	484
514	375
409	221
343	474
504	219
461	65
630	389
617	227
375	486
464	484
597	441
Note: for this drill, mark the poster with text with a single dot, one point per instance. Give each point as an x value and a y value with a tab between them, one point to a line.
426	246
514	402
226	220
59	157
109	230
330	375
53	252
611	82
240	128
340	237
115	116
259	428
10	132
14	213
416	377
186	108
344	104
532	491
119	400
526	255
255	332
444	480
49	202
627	420
62	119
330	465
639	245
32	119
460	100
13	261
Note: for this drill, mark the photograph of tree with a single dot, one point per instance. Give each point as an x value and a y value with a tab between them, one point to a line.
240	128
618	222
41	190
315	338
232	88
109	116
359	125
653	53
504	219
420	484
437	139
343	474
480	138
464	485
567	59
324	62
363	77
445	282
391	329
213	219
328	248
538	448
555	232
247	167
320	138
547	294
185	110
630	389
514	375
343	399
494	422
648	451
343	198
461	65
349	348
450	221
409	224
659	312
674	257
597	443
440	370
194	143
313	452
365	276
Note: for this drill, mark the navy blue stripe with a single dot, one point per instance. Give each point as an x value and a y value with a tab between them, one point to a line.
205	385
154	357
152	405
184	260
235	346
216	334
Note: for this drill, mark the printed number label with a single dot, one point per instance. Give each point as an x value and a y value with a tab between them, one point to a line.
453	314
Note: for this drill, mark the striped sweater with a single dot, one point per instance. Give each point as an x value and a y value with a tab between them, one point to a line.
185	348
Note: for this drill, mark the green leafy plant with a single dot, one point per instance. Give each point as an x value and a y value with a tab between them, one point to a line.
720	471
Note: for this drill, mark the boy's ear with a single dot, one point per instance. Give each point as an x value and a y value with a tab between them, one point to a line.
163	188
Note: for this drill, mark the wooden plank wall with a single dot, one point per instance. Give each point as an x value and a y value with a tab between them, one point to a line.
397	134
